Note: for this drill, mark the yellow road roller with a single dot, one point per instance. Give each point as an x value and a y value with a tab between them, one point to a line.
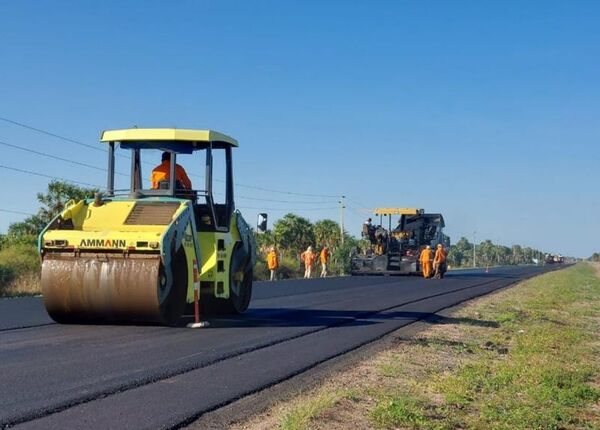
149	252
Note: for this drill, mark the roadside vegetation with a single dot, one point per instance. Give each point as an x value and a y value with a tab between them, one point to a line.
19	260
523	358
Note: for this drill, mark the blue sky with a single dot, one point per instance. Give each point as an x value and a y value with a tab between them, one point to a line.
484	111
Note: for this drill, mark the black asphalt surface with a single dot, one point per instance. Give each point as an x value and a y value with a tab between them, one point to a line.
131	377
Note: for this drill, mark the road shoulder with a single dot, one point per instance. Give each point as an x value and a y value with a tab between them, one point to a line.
336	381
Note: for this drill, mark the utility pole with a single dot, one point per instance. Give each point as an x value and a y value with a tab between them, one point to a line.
474	235
342	219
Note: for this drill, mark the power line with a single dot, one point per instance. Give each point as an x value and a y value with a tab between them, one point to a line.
147	163
43	154
58	136
360	205
283	201
78	142
97	186
29	172
286	192
16	212
272	200
287	209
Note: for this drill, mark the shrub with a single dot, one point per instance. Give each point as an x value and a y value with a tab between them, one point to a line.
261	273
289	268
18	263
20	259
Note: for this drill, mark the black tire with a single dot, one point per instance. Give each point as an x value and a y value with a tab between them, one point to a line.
240	293
240	282
173	306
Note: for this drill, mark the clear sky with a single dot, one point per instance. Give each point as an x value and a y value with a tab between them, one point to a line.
486	111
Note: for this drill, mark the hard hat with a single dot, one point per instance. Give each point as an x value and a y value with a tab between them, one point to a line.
439	245
428	247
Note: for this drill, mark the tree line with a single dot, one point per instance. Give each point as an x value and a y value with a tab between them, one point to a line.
487	253
291	235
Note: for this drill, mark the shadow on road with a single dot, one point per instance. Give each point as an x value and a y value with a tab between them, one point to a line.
289	317
481	275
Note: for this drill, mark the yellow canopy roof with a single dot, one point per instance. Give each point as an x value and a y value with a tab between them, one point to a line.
398	211
165	134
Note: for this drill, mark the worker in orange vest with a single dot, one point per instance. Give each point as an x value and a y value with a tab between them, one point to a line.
161	173
308	257
439	262
272	262
324	261
425	259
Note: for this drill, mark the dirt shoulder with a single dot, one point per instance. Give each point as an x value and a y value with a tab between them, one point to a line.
525	357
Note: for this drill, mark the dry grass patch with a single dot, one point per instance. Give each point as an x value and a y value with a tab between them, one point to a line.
24	285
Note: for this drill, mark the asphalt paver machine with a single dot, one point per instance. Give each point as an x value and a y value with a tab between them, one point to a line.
144	255
395	250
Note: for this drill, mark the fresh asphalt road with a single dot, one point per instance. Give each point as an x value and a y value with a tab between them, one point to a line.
74	376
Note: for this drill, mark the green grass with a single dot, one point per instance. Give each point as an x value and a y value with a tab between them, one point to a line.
398	410
534	371
546	377
299	416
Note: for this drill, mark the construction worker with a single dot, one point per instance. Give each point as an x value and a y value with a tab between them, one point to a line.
425	259
439	262
368	230
272	262
161	173
324	261
308	257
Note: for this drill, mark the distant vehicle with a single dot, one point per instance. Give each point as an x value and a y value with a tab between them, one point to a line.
554	259
395	251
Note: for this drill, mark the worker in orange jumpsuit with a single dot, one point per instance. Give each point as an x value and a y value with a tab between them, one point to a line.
272	262
439	262
161	173
308	257
324	261
425	259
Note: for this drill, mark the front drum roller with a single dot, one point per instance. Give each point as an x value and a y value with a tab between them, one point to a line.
104	287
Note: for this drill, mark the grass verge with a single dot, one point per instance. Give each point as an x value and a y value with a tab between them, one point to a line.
524	358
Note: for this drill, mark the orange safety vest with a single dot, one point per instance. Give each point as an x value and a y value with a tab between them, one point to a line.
324	256
440	256
272	260
425	256
308	257
161	173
